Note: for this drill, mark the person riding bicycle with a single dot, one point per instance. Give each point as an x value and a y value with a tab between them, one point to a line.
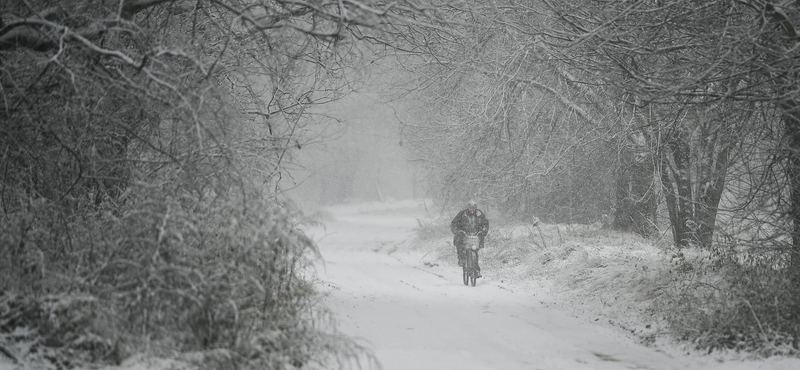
472	221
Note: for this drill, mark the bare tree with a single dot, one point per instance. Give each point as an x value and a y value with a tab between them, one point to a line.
518	132
697	99
142	142
716	79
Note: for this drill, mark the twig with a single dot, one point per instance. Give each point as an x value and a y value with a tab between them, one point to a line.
560	238
541	235
757	320
761	328
8	354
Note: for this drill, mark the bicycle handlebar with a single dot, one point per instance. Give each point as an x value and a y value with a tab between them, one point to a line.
465	233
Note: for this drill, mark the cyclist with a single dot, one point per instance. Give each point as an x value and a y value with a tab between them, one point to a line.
473	222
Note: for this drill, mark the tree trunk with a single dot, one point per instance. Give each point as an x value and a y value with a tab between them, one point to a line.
710	195
791	121
792	127
671	196
635	198
693	209
675	171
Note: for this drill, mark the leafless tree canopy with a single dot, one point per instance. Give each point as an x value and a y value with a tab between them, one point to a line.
676	117
142	142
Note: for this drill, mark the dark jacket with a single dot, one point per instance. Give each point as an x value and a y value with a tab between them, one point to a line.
471	223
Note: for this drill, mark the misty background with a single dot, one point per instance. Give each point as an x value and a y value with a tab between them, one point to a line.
357	154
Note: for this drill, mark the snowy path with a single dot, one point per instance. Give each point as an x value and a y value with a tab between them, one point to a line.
419	317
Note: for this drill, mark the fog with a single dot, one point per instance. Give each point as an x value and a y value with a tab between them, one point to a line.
355	154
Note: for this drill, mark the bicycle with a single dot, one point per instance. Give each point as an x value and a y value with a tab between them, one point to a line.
470	269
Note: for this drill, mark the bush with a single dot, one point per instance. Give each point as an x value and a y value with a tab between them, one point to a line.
738	305
175	272
432	229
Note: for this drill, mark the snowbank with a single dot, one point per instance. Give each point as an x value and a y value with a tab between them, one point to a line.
601	276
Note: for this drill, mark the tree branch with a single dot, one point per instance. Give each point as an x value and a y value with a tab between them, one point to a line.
28	33
131	7
542	87
24	35
783	20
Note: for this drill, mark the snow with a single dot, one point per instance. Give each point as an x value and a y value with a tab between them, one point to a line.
406	302
411	308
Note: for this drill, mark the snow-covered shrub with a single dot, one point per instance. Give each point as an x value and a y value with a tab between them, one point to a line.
507	252
732	305
432	229
76	323
172	273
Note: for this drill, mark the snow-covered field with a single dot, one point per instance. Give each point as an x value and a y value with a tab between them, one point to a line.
404	298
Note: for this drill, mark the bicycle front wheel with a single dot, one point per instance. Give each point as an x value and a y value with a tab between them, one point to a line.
472	264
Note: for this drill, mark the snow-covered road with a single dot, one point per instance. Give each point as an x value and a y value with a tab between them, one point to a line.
422	317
